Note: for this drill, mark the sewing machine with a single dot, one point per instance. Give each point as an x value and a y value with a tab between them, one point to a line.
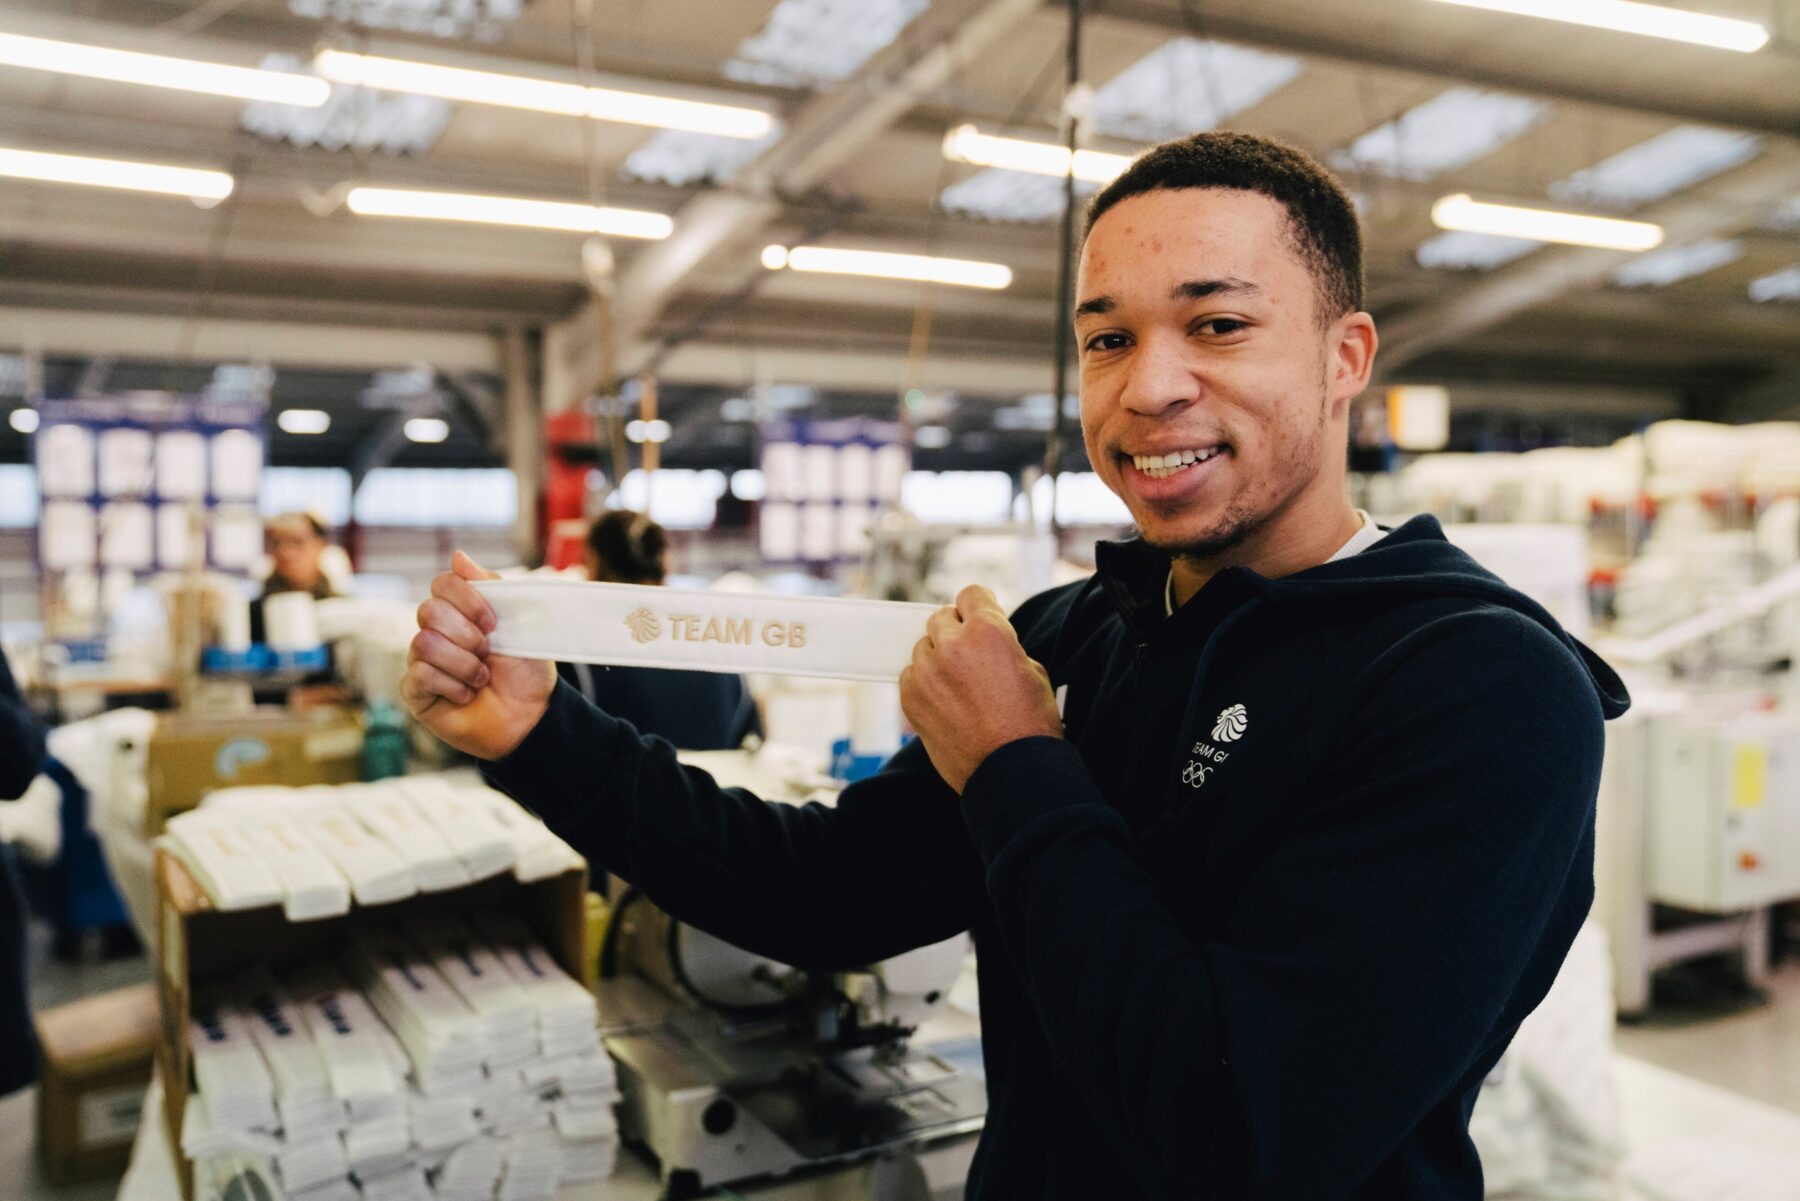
735	1067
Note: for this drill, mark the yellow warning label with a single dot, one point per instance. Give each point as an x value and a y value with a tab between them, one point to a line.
1750	774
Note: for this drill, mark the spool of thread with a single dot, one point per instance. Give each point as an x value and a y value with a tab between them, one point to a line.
234	624
875	719
290	622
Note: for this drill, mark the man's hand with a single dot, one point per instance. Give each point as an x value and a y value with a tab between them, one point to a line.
971	689
480	703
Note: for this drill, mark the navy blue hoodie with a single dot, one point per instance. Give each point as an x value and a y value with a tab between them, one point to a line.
1256	927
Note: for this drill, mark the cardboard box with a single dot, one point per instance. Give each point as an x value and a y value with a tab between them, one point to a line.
97	1057
190	756
196	943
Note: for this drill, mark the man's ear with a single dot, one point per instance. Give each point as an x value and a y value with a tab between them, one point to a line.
1353	346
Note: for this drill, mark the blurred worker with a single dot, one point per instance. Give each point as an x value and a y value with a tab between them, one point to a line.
21	758
695	710
1270	833
298	546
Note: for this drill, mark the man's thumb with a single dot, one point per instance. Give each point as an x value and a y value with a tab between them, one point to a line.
469	569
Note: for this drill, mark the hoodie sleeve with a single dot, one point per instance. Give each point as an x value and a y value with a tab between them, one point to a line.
1404	925
21	739
888	869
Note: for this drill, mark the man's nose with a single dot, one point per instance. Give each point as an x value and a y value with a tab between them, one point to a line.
1158	379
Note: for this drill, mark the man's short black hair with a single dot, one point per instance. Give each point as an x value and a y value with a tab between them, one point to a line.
1322	218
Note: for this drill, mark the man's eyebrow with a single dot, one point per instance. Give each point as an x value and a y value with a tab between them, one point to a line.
1094	306
1200	289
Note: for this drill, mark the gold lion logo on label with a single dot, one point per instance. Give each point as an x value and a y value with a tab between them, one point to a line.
643	625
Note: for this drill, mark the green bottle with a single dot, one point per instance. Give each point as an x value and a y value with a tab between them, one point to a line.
384	742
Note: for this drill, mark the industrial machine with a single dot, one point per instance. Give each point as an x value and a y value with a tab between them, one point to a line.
735	1067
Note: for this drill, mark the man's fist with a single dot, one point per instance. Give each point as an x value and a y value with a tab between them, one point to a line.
971	689
480	703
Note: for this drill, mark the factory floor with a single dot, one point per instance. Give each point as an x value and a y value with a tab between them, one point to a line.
1753	1050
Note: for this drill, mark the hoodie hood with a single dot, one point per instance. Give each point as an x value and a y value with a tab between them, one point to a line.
1414	559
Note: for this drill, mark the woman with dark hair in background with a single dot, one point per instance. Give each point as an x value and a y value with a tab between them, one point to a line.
21	758
695	710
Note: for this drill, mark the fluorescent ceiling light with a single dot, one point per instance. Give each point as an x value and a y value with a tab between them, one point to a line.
884	265
115	173
1664	267
1185	85
809	42
1472	252
303	421
1448	131
966	144
542	95
160	71
426	429
24	420
353	119
1783	285
996	194
1461	212
648	431
1651	20
508	210
1659	167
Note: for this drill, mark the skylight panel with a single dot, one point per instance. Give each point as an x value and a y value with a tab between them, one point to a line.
1783	285
996	194
483	20
681	157
1786	216
1660	268
808	43
1188	85
352	118
1660	167
1460	251
1448	131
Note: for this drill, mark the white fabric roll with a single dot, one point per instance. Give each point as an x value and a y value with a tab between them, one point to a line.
632	624
290	623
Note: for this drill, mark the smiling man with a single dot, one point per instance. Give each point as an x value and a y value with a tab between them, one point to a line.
1263	904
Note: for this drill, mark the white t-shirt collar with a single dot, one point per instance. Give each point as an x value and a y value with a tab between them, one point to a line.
1367	535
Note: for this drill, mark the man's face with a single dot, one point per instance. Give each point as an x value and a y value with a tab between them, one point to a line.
1198	338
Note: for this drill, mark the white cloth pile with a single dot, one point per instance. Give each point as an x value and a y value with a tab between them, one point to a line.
449	1059
312	850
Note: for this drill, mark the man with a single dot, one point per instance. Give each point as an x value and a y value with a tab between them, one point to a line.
1312	832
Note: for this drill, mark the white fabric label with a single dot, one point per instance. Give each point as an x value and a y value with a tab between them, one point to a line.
110	1116
638	625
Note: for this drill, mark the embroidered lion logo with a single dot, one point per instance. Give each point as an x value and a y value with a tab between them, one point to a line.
643	625
1231	724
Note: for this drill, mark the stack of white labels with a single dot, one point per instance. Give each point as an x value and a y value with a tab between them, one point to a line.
228	1069
390	813
470	1172
441	1034
507	1020
534	1163
314	849
311	1151
463	818
234	869
451	1060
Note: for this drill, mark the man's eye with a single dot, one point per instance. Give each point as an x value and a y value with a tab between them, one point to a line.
1105	342
1223	325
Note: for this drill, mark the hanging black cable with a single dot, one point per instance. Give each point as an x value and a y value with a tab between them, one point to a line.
1065	266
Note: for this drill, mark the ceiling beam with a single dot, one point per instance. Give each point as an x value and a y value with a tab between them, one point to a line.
1338	41
159	337
817	139
1723	207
